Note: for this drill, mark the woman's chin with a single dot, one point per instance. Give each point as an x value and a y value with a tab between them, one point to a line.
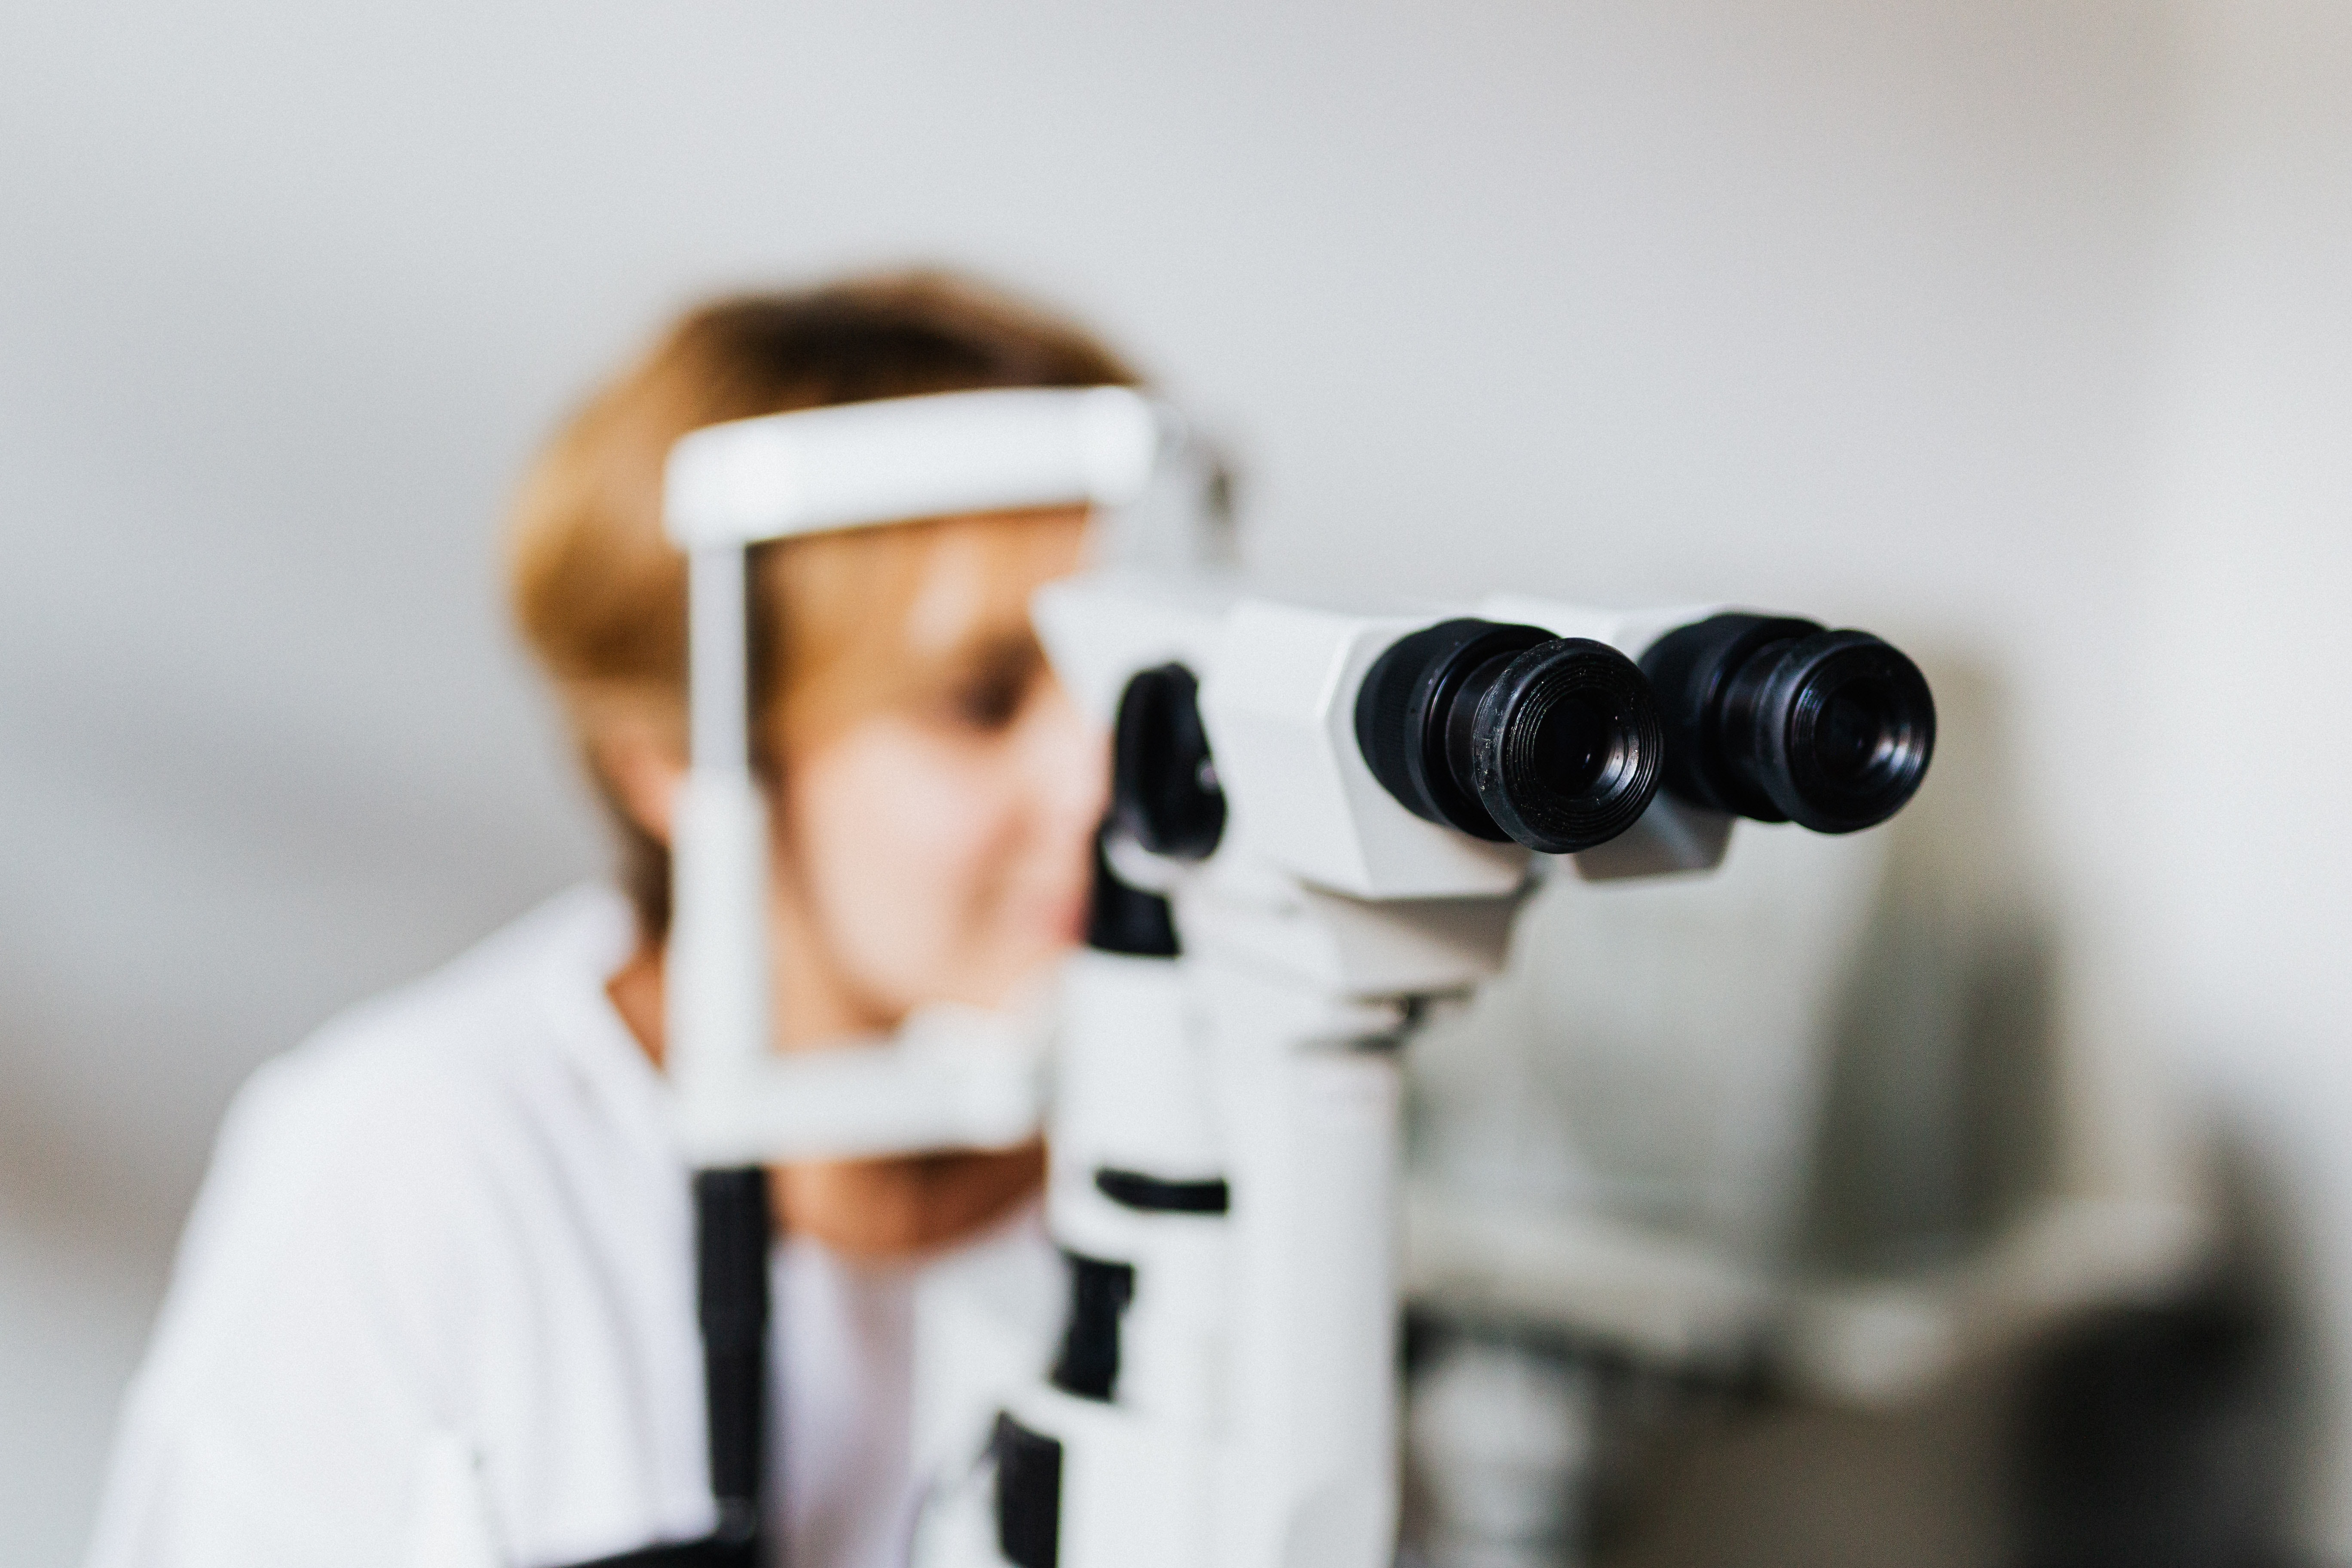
1062	925
1033	939
889	1210
1046	914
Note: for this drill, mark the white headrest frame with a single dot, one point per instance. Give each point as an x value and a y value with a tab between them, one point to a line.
729	487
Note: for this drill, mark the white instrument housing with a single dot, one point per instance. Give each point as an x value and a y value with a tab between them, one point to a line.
1253	1418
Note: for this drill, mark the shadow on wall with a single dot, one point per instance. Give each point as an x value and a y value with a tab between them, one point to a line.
1943	1108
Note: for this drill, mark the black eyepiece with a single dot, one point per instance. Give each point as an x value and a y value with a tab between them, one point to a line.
1506	731
1777	720
1164	789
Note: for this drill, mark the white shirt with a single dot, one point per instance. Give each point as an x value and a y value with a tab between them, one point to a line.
457	1215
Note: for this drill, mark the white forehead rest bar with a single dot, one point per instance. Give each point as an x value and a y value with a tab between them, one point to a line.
852	464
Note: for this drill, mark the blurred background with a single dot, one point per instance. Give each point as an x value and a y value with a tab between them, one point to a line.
1972	1193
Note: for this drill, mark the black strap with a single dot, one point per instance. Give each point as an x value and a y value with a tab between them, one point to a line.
733	1232
707	1552
732	1235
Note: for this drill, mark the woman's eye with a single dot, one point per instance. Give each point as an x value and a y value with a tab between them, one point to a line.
987	694
990	702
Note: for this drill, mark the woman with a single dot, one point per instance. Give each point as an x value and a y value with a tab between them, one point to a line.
454	1221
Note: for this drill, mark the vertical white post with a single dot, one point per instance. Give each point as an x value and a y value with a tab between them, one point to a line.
1312	1130
718	663
717	994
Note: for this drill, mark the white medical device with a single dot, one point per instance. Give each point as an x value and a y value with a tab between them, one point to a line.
1331	817
1342	810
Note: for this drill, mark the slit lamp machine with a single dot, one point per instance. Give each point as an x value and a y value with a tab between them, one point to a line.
1322	824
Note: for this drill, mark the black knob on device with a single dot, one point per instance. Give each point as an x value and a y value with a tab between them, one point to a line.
1163	787
1777	720
1506	731
1132	922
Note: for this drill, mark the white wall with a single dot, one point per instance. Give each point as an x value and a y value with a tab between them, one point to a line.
1898	313
2242	913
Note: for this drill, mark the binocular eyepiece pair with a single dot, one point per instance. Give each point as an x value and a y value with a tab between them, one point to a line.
1508	733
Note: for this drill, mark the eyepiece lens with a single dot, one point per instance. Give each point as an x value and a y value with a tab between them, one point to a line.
1848	729
1572	740
1776	719
1506	731
1568	745
1854	736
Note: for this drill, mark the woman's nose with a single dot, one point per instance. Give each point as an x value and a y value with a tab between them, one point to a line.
1070	763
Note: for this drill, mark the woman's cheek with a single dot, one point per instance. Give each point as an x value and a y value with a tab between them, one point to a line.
901	835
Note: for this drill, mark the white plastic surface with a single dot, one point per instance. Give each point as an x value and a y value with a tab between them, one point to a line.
952	1078
1100	629
1313	1115
895	460
1280	707
717	997
451	1526
1630	632
1343	946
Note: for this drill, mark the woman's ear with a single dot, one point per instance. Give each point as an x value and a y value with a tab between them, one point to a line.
643	773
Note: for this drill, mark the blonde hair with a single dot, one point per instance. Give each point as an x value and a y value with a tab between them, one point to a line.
600	593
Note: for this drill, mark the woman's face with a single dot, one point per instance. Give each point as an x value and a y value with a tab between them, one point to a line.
937	847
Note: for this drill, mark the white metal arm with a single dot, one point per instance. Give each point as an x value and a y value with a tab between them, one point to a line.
857	464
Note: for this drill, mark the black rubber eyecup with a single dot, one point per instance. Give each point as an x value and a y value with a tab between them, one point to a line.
1407	707
1507	732
1853	729
1566	746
